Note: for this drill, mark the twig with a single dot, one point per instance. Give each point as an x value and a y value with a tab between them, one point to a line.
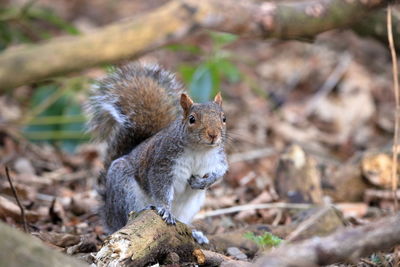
304	225
370	263
211	258
251	155
375	194
397	114
17	199
277	205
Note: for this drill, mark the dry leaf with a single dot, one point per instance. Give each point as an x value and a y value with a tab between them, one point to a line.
9	209
377	169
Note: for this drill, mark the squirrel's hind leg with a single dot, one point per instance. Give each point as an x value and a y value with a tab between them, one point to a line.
121	196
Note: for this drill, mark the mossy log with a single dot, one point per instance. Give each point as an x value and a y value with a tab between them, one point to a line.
18	249
147	239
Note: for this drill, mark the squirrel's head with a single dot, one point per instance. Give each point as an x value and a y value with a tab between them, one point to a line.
205	122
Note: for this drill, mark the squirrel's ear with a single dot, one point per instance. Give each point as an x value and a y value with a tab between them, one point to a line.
218	99
186	103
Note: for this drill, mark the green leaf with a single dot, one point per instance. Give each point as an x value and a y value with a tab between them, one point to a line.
184	47
61	120
5	36
187	72
9	13
201	85
228	69
376	259
50	17
221	38
265	240
41	94
215	77
71	110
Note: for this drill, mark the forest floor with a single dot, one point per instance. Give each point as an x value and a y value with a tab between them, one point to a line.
308	122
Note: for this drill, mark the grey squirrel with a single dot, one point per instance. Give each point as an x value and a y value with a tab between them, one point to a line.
163	149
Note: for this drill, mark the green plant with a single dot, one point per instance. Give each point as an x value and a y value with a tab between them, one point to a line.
55	114
204	79
30	23
264	241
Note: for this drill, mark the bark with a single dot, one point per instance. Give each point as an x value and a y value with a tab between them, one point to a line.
18	249
172	22
345	245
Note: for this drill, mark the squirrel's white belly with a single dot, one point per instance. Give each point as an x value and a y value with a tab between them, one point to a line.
187	201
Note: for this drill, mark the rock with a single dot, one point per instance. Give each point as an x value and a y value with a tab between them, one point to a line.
316	222
236	253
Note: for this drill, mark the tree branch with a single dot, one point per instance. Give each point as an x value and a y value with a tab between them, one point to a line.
346	245
171	22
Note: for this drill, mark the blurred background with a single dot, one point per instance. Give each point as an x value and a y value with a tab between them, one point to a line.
317	111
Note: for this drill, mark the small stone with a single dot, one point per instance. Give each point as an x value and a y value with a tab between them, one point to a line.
237	253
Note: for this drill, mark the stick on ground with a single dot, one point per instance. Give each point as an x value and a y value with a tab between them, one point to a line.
26	229
397	101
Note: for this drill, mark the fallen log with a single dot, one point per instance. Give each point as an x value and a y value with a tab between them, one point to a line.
147	239
346	245
18	249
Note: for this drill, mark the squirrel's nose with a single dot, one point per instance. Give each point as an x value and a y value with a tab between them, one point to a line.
213	135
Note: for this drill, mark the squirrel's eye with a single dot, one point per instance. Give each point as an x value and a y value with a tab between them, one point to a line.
192	119
224	119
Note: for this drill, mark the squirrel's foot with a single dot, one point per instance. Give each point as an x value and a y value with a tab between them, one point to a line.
165	214
200	237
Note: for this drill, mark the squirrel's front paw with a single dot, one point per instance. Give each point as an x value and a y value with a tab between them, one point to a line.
165	214
197	182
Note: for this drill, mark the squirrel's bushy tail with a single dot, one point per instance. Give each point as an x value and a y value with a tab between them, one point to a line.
131	104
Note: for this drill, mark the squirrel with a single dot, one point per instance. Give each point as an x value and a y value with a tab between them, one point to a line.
163	150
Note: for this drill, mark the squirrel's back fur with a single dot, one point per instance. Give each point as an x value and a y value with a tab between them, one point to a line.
131	104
